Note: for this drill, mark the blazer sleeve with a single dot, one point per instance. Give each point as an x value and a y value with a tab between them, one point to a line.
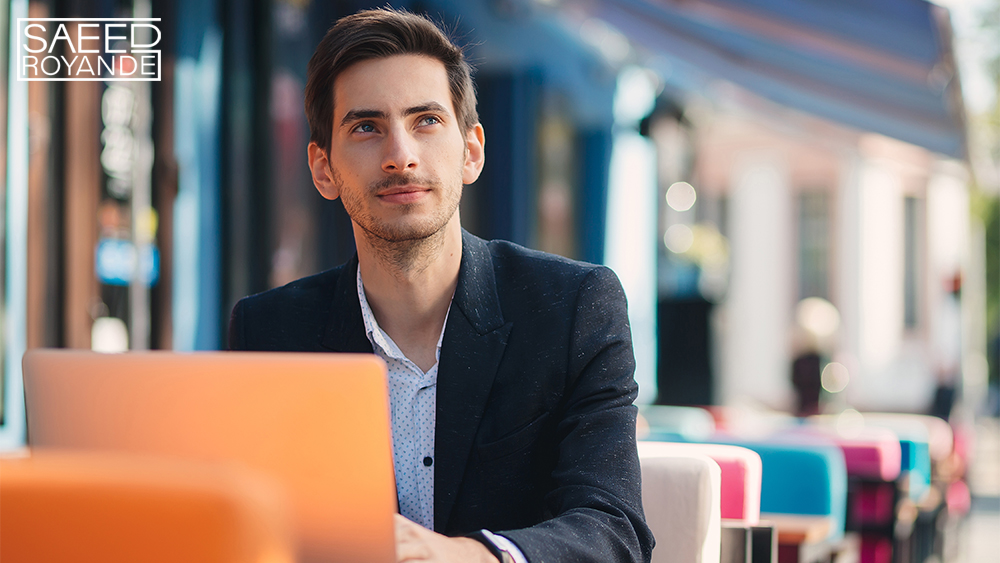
596	499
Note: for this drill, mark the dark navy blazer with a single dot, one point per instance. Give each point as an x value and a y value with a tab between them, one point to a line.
535	432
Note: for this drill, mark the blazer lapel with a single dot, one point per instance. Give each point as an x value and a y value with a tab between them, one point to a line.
474	341
345	331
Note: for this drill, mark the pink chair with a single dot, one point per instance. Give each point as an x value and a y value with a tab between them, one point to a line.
741	475
938	433
742	537
869	452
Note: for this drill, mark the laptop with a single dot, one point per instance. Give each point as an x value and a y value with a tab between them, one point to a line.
318	424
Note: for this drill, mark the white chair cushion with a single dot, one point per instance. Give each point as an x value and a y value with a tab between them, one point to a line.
681	497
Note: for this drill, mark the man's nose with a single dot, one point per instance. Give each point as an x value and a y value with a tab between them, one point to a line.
400	153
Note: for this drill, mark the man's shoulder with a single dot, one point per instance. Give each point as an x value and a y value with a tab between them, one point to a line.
522	265
531	282
291	317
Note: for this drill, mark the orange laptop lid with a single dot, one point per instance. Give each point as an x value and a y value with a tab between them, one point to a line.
318	424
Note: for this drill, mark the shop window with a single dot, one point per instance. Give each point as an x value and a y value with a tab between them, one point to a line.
814	244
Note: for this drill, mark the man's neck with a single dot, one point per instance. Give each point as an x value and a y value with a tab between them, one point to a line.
409	287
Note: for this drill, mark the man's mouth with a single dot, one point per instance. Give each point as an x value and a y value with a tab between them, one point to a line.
409	193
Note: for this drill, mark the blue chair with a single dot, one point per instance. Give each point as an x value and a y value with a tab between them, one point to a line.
800	478
916	465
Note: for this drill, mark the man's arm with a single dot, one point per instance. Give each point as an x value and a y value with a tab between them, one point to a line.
595	501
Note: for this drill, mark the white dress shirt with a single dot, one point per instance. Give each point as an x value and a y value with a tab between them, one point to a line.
413	407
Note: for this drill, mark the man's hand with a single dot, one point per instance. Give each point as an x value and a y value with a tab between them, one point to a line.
416	543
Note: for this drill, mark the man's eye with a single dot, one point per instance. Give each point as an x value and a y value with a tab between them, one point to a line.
364	128
429	120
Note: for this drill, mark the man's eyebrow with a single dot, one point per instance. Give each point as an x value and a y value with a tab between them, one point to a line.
429	106
356	114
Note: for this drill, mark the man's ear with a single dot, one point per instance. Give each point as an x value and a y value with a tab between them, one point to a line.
475	156
322	174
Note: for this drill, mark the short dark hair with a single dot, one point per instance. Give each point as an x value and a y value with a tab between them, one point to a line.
375	34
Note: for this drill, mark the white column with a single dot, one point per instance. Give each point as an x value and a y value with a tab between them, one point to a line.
758	307
631	239
847	290
630	247
894	372
881	269
957	245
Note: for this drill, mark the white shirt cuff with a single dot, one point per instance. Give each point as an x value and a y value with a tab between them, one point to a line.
506	545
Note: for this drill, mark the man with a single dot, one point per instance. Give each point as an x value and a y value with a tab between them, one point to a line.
510	370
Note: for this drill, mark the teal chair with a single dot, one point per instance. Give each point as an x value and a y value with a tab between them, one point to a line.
806	478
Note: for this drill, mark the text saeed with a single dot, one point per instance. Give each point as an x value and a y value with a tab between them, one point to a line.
112	49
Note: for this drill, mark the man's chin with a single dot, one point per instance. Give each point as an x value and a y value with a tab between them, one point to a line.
399	234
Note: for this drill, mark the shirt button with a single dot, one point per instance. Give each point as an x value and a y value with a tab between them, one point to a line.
428	461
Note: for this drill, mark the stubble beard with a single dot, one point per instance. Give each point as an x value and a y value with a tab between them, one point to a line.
405	245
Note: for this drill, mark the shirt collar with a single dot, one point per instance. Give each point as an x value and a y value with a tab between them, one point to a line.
378	337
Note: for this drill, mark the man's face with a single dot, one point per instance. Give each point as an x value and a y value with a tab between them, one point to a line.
398	156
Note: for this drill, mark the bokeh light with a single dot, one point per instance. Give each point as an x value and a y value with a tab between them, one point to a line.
679	239
835	377
681	196
818	316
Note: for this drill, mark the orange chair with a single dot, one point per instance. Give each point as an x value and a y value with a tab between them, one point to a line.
76	507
